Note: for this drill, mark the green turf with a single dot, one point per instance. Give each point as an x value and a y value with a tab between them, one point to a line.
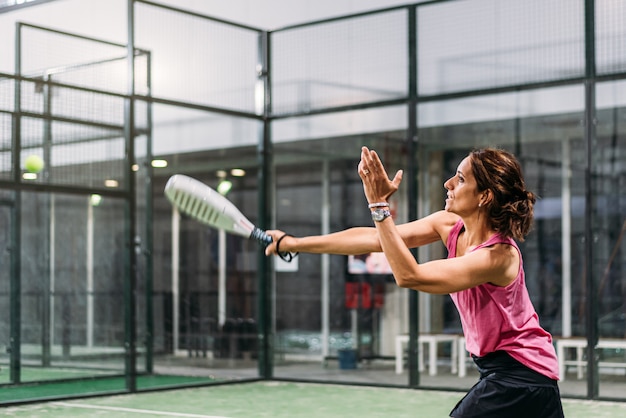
282	400
43	390
30	374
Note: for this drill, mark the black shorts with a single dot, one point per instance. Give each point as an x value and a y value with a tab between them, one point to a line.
509	389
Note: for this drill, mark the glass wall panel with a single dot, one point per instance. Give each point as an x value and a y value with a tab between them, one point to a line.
336	317
6	206
204	295
339	63
472	45
610	36
7	93
340	124
609	230
223	70
72	280
6	162
178	130
72	59
543	128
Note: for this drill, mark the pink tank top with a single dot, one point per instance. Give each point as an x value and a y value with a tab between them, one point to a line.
503	318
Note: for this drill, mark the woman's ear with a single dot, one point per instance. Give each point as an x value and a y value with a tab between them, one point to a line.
486	197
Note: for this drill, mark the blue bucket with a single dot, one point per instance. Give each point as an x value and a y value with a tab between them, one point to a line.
347	359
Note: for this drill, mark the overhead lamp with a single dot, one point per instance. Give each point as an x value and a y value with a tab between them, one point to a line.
238	172
111	183
95	199
159	163
224	187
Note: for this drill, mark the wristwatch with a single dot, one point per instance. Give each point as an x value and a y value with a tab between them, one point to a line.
380	214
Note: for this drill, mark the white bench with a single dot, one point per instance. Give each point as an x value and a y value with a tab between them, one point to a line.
433	341
463	357
580	344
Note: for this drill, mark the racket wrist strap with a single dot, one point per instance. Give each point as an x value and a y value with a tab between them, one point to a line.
287	255
279	240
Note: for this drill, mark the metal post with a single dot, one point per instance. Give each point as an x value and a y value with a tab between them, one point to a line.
414	378
221	278
264	153
15	343
149	239
590	139
46	341
566	238
175	277
90	273
325	291
130	298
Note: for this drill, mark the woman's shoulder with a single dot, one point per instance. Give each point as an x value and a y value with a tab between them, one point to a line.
429	229
444	218
445	222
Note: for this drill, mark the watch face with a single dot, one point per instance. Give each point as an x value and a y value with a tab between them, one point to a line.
380	214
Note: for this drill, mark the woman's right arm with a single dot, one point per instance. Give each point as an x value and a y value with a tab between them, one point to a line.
351	241
362	240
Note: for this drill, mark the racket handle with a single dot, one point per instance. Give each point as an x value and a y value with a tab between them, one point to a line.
261	236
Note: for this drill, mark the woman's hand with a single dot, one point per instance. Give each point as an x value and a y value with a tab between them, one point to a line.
376	184
284	243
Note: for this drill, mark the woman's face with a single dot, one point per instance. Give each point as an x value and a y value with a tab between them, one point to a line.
463	196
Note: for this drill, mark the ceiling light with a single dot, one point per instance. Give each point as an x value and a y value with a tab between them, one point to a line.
224	187
95	199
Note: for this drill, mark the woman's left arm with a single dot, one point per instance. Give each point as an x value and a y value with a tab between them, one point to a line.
496	264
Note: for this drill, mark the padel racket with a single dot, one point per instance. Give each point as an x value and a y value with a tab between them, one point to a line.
207	206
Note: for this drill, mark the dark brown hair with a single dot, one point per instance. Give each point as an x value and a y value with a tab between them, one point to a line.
510	210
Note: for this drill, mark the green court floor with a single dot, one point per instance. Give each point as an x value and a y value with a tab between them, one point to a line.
42	389
280	400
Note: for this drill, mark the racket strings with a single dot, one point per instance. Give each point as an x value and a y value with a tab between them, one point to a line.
195	207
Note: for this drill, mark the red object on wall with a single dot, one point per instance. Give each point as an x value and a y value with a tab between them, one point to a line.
352	295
